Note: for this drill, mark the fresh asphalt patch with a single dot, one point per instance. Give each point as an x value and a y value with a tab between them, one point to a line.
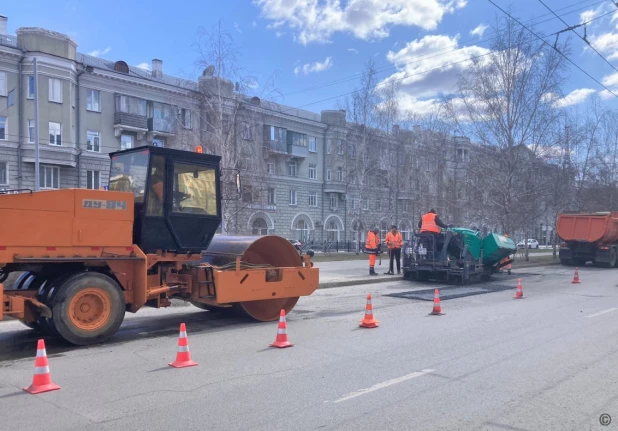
448	292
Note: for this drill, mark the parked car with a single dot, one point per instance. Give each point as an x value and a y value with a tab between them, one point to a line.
532	243
297	244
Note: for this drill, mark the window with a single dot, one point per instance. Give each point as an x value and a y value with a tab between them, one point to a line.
184	116
328	146
313	199
126	142
292	169
247	194
11	100
292	197
49	177
365	204
3	130
333	201
462	154
378	203
130	105
55	90
4	174
30	86
31	132
155	195
195	189
270	168
55	133
352	150
2	83
340	174
128	174
271	196
302	229
312	171
340	147
328	175
93	180
93	103
259	227
246	131
93	141
275	134
297	139
313	144
333	231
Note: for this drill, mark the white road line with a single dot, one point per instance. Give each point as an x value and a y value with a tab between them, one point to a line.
383	385
603	312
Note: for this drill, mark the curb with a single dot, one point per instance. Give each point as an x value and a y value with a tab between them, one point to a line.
363	281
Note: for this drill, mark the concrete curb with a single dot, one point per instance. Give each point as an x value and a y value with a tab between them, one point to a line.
375	280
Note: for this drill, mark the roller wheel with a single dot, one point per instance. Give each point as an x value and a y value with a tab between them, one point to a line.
213	308
266	310
88	308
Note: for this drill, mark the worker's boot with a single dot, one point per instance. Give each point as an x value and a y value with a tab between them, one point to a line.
372	271
398	272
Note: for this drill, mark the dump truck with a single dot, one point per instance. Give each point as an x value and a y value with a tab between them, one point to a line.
456	254
88	256
588	237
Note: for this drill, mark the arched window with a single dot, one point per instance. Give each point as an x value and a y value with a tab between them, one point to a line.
405	231
259	227
333	231
384	228
302	230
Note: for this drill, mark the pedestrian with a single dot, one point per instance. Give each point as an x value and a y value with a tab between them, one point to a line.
372	248
394	241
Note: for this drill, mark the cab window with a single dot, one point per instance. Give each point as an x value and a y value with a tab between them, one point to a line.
195	190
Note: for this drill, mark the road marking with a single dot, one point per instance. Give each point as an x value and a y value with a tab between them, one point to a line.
383	385
603	312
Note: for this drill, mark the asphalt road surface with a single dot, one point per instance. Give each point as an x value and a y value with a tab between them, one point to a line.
546	362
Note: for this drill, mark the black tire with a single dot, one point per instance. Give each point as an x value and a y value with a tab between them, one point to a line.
612	258
107	297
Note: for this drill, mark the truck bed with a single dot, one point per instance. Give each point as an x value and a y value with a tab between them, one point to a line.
600	228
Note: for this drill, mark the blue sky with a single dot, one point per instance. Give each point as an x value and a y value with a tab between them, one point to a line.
315	43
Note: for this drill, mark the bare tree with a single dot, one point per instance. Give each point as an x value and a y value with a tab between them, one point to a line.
504	103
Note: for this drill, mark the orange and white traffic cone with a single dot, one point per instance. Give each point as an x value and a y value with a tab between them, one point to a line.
437	308
576	276
282	335
183	356
369	321
520	292
41	381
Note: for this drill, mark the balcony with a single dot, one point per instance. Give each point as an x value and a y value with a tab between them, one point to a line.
405	195
51	154
333	187
130	122
276	147
298	151
161	127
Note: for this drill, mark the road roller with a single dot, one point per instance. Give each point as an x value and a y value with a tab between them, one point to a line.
80	259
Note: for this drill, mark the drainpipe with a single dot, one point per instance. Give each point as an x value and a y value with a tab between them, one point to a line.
20	117
78	128
324	180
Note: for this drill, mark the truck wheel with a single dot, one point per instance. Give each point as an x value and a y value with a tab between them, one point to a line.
612	258
88	308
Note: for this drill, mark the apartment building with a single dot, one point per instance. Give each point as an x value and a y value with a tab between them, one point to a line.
297	166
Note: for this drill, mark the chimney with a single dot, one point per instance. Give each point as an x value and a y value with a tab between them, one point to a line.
3	25
157	68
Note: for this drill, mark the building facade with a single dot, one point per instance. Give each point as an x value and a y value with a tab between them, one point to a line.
307	176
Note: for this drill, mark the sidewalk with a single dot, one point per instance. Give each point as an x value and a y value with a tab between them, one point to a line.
356	272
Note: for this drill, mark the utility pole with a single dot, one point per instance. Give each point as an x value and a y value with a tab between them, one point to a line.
36	127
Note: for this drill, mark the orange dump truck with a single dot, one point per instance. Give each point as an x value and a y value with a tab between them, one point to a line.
588	237
86	257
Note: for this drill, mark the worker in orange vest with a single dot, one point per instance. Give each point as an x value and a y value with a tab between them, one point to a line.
394	242
430	222
372	248
508	266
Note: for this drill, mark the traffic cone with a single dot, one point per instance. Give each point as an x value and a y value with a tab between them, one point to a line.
282	335
183	356
41	381
369	321
576	276
520	293
437	308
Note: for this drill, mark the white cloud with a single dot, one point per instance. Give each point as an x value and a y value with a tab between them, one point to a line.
237	27
574	97
354	50
99	52
254	24
308	68
425	66
278	34
606	95
478	31
610	80
315	21
145	66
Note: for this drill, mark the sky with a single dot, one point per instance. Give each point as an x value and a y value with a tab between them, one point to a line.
316	49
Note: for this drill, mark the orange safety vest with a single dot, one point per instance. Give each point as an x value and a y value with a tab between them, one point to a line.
429	223
372	242
394	241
